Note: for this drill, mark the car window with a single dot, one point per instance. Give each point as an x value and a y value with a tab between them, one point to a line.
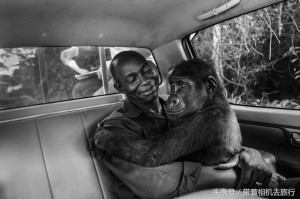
257	55
37	75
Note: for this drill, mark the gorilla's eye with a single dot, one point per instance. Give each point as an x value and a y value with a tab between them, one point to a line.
182	84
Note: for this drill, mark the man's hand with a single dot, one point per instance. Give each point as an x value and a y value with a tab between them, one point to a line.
255	173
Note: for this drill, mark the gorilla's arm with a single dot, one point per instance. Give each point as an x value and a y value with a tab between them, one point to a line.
143	151
176	143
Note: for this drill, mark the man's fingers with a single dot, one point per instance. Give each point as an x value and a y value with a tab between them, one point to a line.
274	180
258	178
245	177
279	177
261	178
267	179
255	177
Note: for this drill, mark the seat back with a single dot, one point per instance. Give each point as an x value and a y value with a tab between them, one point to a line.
48	157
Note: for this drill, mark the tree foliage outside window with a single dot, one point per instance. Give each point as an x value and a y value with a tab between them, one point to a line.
257	55
19	78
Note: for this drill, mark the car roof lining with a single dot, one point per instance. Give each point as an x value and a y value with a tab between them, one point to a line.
140	23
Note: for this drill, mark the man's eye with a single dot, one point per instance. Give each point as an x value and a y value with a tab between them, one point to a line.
131	79
147	70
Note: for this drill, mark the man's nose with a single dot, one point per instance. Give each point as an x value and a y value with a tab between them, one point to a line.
143	79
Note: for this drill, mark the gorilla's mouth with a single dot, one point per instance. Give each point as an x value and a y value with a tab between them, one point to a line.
174	113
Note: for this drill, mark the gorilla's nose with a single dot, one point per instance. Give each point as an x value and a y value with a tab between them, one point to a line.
173	102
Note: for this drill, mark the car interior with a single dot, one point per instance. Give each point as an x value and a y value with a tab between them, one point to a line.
44	142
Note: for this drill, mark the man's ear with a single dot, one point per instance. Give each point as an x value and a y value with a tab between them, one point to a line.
118	87
210	84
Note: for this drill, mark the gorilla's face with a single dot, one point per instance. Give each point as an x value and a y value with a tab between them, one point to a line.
185	97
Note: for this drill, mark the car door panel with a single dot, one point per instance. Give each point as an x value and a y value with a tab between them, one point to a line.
274	141
261	130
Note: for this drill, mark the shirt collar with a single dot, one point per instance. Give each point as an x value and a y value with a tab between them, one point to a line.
132	111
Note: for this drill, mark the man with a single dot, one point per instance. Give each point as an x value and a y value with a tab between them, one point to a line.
143	114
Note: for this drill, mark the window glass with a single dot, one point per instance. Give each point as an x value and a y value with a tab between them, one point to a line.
40	75
19	78
257	55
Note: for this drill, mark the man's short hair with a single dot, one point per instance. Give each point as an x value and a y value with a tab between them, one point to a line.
123	58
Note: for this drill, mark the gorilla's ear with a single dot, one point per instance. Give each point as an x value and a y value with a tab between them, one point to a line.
210	84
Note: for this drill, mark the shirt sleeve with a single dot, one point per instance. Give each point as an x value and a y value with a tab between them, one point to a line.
124	126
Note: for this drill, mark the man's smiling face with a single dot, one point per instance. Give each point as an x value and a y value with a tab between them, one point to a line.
138	81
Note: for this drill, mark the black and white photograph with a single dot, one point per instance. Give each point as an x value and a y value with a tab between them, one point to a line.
149	99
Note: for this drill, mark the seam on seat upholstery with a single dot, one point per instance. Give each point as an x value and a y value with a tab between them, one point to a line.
98	175
69	163
38	134
91	118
